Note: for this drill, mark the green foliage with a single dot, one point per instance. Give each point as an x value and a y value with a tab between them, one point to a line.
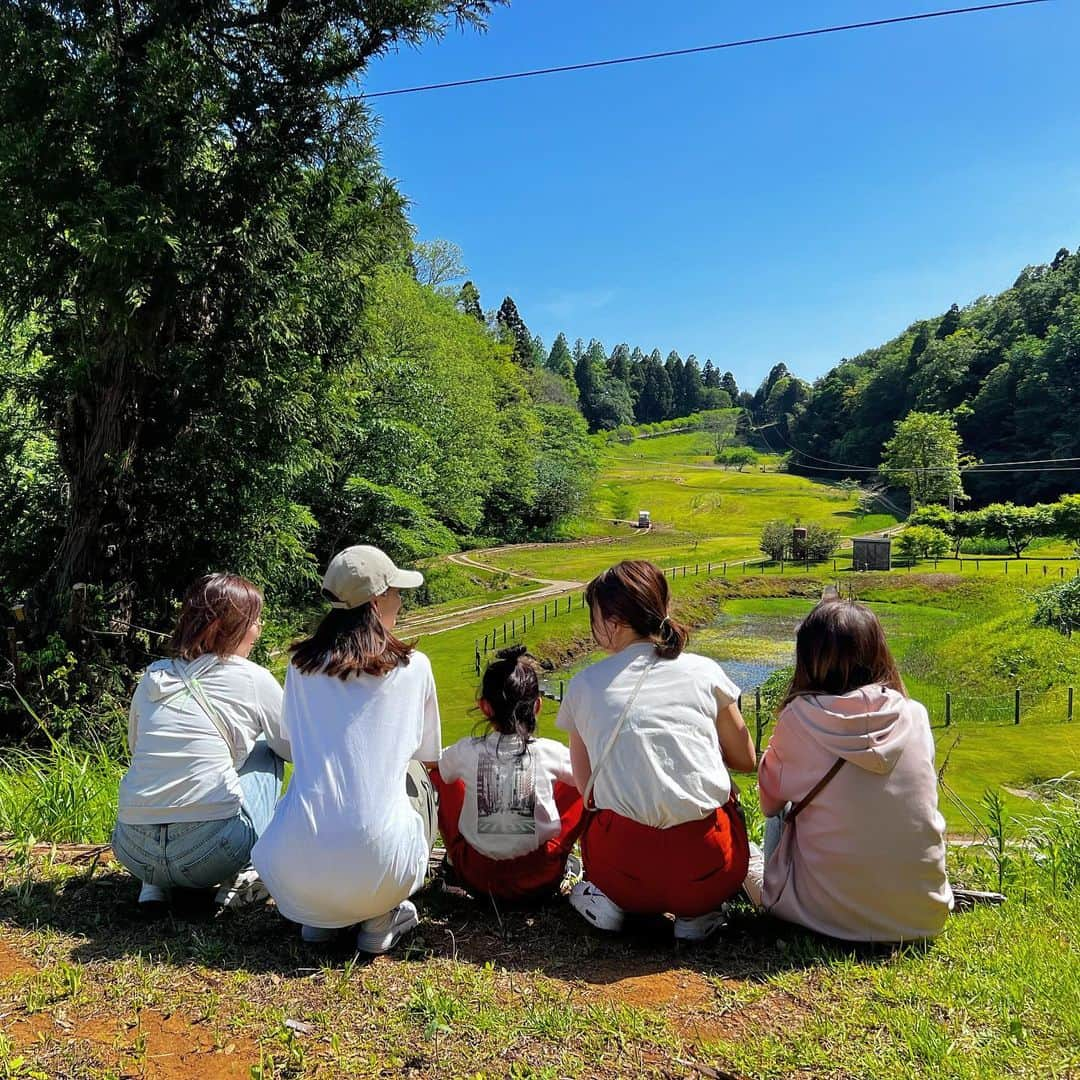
1016	525
775	539
1059	607
737	457
922	542
1067	518
820	543
192	207
924	457
1005	365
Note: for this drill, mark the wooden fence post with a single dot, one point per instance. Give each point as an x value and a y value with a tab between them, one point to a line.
948	708
1016	706
1069	713
560	689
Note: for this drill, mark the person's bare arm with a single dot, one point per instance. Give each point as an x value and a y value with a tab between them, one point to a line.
735	742
579	761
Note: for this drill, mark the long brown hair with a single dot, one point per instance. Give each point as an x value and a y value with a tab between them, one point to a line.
839	647
217	613
635	592
349	641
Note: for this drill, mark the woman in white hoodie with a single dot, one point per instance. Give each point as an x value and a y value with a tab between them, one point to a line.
207	752
854	843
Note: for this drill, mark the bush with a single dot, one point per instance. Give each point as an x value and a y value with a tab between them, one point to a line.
775	539
820	542
923	542
737	457
1059	607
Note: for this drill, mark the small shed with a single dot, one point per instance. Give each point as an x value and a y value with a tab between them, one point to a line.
872	553
644	519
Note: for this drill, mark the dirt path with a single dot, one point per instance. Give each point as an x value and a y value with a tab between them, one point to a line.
437	623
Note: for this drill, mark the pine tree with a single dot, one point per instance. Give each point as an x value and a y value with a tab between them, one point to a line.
655	403
517	333
539	353
692	390
468	301
559	359
728	383
710	376
674	368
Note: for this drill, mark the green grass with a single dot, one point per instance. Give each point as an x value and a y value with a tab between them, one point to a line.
65	794
88	991
701	511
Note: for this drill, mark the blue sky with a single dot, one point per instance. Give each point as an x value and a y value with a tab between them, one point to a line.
800	201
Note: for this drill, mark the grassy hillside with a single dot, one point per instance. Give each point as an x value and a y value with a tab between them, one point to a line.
700	511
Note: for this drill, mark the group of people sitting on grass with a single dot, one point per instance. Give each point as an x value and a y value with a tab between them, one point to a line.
854	843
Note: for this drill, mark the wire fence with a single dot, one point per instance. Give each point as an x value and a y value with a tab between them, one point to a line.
945	707
514	628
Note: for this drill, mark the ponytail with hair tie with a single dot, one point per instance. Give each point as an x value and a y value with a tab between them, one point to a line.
511	687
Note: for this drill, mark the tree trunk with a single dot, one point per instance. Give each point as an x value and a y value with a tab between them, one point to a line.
96	439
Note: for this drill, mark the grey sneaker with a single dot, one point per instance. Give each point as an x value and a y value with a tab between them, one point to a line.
381	934
246	888
700	927
589	902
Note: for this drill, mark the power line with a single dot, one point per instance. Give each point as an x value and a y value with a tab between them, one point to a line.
765	40
1045	464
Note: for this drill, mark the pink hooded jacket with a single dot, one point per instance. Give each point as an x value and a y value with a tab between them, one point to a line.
865	860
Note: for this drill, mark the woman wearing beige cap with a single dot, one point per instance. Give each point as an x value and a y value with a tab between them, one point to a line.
350	840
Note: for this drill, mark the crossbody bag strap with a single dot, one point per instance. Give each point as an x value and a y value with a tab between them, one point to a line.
794	812
586	795
194	688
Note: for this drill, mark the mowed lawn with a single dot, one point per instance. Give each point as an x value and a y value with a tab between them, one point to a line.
701	512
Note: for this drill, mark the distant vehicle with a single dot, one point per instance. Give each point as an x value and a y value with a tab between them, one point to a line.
644	519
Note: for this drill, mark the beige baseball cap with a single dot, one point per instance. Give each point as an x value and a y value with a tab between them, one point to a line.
358	574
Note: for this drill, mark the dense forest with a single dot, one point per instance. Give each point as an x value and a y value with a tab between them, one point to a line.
1006	367
612	389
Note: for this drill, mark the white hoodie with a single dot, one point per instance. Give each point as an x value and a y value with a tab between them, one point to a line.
865	860
181	768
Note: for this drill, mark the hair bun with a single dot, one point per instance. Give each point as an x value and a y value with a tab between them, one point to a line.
512	652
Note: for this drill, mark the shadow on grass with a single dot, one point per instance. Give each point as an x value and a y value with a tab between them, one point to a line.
550	939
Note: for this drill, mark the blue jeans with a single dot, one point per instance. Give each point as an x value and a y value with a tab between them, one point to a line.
205	854
774	830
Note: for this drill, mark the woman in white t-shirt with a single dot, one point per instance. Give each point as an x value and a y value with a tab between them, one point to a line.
653	730
351	838
509	812
207	751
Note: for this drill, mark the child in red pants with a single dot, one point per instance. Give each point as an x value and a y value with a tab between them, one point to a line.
509	812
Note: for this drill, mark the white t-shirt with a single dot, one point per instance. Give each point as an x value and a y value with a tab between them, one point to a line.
181	768
665	767
345	843
509	807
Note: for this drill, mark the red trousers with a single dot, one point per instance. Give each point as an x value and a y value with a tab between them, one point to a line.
527	877
686	870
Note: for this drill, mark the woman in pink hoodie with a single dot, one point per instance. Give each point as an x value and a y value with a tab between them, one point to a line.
854	843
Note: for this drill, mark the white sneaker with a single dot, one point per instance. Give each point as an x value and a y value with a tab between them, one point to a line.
152	894
381	934
755	876
246	888
318	935
589	902
700	927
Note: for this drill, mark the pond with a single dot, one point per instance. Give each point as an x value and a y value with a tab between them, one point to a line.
750	639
